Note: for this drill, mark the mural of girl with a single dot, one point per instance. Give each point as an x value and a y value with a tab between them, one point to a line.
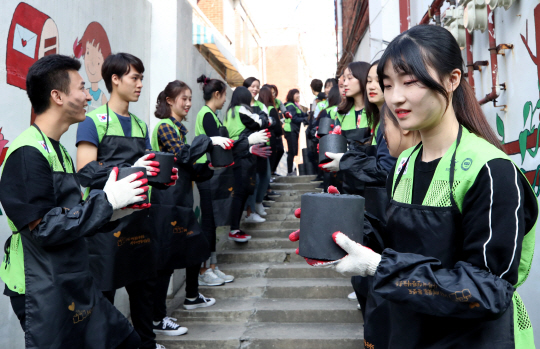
95	47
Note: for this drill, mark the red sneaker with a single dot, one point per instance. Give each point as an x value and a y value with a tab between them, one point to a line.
239	236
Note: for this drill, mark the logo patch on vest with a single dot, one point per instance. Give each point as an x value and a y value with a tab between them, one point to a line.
466	164
103	117
401	163
44	145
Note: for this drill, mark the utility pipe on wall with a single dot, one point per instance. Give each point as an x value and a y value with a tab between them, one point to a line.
435	8
340	28
492	96
470	62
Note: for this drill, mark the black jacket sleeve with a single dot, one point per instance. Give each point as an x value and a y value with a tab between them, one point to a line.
497	211
95	174
210	126
372	170
296	117
249	122
61	225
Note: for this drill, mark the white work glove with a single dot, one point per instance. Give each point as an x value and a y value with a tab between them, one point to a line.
359	260
254	116
258	137
223	142
151	166
332	166
126	191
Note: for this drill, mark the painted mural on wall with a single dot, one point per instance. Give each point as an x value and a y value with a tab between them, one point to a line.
32	35
528	141
94	47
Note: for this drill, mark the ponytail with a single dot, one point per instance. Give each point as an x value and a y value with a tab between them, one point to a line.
210	86
172	90
470	115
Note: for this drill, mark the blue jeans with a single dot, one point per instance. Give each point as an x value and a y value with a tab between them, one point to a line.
261	186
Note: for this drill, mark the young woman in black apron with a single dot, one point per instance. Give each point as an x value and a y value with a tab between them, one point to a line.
181	242
292	127
460	233
215	194
276	140
250	135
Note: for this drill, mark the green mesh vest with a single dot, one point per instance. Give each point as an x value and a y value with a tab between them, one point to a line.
349	122
155	138
199	128
99	116
233	123
332	112
374	139
12	272
287	125
472	155
322	105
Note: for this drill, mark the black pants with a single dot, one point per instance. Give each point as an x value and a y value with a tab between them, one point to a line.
240	196
141	305
162	286
277	153
292	144
133	341
207	216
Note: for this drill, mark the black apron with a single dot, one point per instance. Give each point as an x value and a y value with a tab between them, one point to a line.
63	306
179	240
435	230
221	186
123	256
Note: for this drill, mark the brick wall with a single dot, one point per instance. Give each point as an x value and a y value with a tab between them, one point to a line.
282	68
213	9
349	10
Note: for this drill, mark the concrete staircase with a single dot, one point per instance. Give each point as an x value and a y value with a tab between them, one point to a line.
276	301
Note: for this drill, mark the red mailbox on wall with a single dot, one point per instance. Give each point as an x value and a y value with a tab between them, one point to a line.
32	35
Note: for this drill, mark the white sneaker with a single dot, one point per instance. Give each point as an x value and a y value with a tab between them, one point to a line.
210	279
199	302
259	208
254	218
352	296
222	275
159	346
168	327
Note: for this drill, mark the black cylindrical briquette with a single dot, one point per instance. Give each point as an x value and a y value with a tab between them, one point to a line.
126	171
318	223
166	164
332	144
325	126
220	157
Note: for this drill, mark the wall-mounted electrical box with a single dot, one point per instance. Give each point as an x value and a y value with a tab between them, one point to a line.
475	16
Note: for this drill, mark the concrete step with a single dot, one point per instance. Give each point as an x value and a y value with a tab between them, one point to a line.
287	196
279	210
205	335
294	179
258	256
261	243
280	288
269	233
293	270
282	204
266	336
279	217
275	310
270	225
295	186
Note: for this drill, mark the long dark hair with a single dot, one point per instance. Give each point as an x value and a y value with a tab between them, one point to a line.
330	81
372	111
210	86
249	81
290	95
265	96
423	46
240	97
172	90
360	71
334	97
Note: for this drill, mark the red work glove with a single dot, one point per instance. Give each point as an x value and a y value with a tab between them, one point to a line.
151	166
287	115
260	150
336	130
174	177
